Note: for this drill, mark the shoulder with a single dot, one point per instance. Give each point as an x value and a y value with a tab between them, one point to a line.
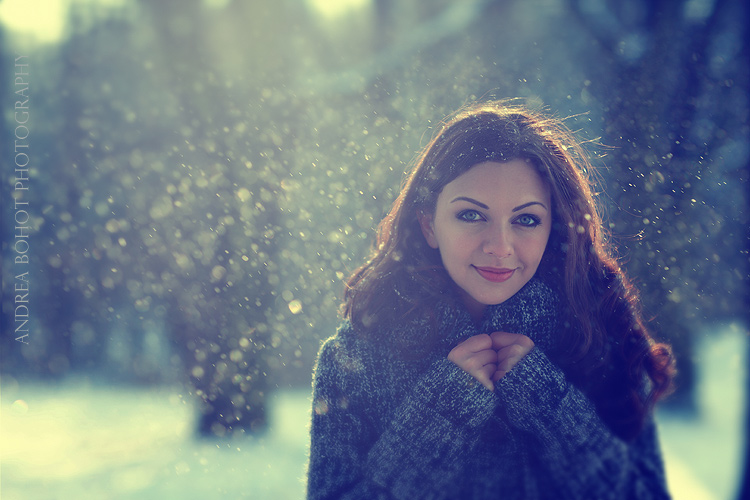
345	358
344	349
356	373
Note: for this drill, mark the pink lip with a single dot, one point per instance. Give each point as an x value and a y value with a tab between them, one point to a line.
494	274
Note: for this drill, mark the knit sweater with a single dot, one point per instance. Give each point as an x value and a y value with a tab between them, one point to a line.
388	426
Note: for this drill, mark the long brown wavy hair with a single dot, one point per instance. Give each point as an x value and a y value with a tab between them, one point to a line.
604	346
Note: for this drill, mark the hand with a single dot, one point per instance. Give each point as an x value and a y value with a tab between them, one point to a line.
511	348
477	357
488	358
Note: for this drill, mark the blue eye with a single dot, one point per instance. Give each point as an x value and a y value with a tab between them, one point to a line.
470	216
528	220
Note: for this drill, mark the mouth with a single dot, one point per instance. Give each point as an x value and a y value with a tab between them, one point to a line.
495	274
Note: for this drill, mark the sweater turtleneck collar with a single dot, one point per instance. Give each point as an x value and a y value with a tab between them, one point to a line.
533	312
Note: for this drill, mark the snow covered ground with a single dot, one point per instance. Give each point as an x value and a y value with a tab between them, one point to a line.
82	441
704	453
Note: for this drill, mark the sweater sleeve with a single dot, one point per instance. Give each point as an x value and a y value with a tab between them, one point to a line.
426	436
579	455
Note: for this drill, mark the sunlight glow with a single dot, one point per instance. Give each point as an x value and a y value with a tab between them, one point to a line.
43	20
334	9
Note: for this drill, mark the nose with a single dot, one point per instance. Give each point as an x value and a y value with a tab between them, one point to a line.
498	242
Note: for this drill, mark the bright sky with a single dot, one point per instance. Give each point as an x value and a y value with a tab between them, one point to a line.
44	20
332	9
41	19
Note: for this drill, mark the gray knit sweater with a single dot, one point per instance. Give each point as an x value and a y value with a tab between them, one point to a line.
387	426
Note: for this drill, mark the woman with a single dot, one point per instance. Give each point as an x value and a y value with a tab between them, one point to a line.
492	347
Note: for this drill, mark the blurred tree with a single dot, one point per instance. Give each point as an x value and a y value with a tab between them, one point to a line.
670	78
48	348
223	311
90	321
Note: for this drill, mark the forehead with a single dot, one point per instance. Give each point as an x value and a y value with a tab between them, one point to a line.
511	180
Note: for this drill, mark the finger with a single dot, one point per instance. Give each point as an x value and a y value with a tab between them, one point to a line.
480	359
477	343
505	339
507	364
484	376
514	350
502	339
469	347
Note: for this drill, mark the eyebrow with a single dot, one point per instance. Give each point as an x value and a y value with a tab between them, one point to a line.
521	207
482	205
470	200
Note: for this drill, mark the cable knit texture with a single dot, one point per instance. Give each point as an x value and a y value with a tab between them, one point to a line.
390	426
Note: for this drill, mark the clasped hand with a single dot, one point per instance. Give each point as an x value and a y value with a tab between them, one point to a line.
488	358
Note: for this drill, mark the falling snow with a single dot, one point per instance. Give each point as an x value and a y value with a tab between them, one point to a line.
205	175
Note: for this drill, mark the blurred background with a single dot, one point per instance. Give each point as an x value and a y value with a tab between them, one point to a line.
194	179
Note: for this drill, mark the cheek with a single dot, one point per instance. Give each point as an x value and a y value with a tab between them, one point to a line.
453	237
535	247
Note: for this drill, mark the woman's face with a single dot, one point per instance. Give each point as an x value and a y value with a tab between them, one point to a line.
491	226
